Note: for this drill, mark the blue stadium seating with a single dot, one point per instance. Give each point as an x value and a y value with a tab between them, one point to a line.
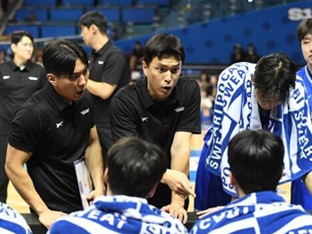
32	29
165	3
138	15
112	13
58	30
65	15
115	2
41	14
78	2
39	2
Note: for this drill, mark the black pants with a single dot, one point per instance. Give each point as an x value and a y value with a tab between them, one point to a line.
3	177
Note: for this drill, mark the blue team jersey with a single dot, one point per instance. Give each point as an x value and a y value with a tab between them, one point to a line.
299	192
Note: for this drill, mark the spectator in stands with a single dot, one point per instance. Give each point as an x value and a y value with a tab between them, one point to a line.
3	56
50	132
299	192
12	222
135	60
134	169
238	54
256	166
251	54
19	79
165	110
203	80
108	72
266	95
212	87
31	17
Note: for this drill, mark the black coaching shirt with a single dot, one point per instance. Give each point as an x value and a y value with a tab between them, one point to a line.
134	113
57	134
110	66
16	86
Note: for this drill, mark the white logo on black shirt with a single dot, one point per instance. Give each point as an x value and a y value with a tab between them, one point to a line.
101	62
84	111
144	119
60	124
33	78
6	77
179	109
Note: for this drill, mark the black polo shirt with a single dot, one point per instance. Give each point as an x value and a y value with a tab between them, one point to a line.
16	86
134	113
107	65
57	134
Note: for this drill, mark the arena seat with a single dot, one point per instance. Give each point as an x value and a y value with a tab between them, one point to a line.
33	29
112	13
144	15
165	3
58	30
39	3
65	14
115	2
77	2
41	14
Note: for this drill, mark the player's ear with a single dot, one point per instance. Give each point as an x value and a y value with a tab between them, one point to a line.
232	179
52	79
106	180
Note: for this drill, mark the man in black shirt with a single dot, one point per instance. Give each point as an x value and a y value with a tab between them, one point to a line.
19	79
164	109
50	132
108	72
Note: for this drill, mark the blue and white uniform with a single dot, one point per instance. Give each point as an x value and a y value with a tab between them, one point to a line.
119	214
262	212
12	222
236	109
299	192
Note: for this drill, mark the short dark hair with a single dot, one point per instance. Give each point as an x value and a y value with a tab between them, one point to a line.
59	57
256	160
16	36
275	76
304	28
96	18
134	167
163	45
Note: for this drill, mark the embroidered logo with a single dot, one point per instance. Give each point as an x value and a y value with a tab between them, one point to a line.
6	77
144	119
179	109
60	124
84	111
33	78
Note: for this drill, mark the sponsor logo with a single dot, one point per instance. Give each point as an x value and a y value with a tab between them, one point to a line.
85	111
60	124
179	109
33	78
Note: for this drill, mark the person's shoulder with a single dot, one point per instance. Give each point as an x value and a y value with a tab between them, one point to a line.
129	90
188	81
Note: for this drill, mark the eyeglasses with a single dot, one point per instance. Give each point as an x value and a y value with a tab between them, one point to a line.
77	75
